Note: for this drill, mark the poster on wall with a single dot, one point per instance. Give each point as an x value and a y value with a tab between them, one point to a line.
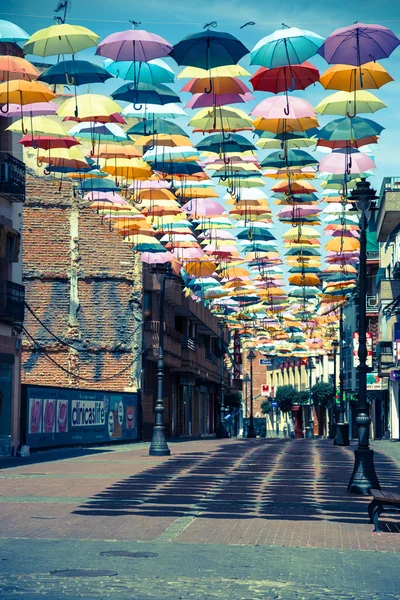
57	416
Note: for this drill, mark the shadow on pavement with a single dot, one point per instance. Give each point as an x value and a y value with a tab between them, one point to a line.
253	479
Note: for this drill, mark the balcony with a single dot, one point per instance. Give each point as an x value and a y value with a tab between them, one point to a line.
372	305
384	355
389	207
12	178
12	302
199	361
172	343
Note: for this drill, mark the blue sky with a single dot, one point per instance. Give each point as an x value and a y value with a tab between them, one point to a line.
174	19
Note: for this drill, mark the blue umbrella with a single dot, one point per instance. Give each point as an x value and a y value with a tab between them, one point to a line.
144	93
208	49
293	158
74	72
153	72
9	32
349	129
156	126
289	46
217	143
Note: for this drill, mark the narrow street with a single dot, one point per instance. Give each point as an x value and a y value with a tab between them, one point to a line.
217	519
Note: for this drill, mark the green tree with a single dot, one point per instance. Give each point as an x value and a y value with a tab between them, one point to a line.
266	407
286	397
303	397
323	393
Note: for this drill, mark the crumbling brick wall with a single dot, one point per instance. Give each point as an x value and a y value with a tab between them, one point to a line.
85	284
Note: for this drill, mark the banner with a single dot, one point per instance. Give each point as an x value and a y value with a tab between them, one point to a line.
62	417
237	357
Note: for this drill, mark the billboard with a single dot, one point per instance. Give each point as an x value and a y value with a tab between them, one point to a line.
61	417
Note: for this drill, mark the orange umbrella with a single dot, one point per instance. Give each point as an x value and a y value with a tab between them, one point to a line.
302	279
294	187
13	67
338	244
285	125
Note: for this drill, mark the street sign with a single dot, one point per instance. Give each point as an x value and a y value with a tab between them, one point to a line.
265	390
274	404
266	361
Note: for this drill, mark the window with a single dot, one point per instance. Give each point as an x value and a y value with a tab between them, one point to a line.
147	301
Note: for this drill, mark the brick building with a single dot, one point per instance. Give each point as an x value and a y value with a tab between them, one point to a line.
95	312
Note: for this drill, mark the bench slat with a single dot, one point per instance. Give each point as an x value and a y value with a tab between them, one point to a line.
384	496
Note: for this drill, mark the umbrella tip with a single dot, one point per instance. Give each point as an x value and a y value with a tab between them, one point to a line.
248	23
135	24
212	24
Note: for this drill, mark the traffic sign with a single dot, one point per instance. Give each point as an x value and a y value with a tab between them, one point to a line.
266	361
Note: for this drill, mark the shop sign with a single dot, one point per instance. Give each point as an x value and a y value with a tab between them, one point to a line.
237	358
59	417
265	390
356	360
376	383
395	375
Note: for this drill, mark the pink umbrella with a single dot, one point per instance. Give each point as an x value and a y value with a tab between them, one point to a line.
30	110
277	108
208	100
203	207
344	234
188	253
134	45
156	258
150	184
218	234
340	162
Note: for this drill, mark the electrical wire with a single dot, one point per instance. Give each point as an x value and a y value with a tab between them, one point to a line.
51	359
64	343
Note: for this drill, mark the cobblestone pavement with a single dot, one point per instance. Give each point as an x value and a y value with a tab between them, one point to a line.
220	519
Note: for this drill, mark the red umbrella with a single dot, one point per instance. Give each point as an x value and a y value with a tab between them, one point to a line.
335	144
285	79
46	142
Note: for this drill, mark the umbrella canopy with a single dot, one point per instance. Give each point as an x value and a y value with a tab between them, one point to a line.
39	126
89	106
349	129
280	107
13	67
133	45
225	118
291	158
339	162
208	49
20	91
143	93
74	72
153	72
31	110
221	85
347	103
283	79
46	142
61	38
342	77
358	44
288	46
148	110
156	126
9	32
205	99
218	143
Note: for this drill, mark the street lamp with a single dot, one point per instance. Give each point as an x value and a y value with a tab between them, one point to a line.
251	432
221	431
363	477
159	446
246	380
335	346
342	428
310	428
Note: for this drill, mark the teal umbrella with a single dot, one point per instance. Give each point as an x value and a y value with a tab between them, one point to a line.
217	143
156	126
74	72
287	46
349	129
9	32
145	93
153	72
293	158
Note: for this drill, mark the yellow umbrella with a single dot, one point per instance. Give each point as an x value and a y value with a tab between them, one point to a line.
345	103
20	91
196	192
117	151
129	169
345	244
163	140
225	71
226	118
39	126
348	78
200	268
61	38
89	106
301	232
304	279
285	125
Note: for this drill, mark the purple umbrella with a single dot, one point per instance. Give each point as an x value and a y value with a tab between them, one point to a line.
207	100
134	45
30	110
156	258
358	44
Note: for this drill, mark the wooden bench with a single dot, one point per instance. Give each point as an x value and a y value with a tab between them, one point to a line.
383	501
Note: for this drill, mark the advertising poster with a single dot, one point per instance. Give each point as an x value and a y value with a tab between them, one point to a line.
57	416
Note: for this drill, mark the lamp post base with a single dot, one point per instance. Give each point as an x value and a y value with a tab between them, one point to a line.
342	434
221	431
363	477
251	432
309	434
159	446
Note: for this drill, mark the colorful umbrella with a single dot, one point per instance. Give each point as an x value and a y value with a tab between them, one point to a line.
342	77
9	32
284	79
74	72
133	45
13	67
61	38
288	46
153	72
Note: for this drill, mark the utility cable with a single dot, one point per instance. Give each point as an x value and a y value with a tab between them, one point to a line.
51	359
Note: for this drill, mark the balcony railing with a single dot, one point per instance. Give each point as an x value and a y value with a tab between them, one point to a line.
211	357
12	178
384	349
12	301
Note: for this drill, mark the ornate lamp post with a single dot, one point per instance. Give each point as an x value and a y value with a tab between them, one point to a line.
251	432
246	380
364	476
310	428
335	346
159	446
342	428
221	431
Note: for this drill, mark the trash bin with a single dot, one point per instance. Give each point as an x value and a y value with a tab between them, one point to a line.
342	434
